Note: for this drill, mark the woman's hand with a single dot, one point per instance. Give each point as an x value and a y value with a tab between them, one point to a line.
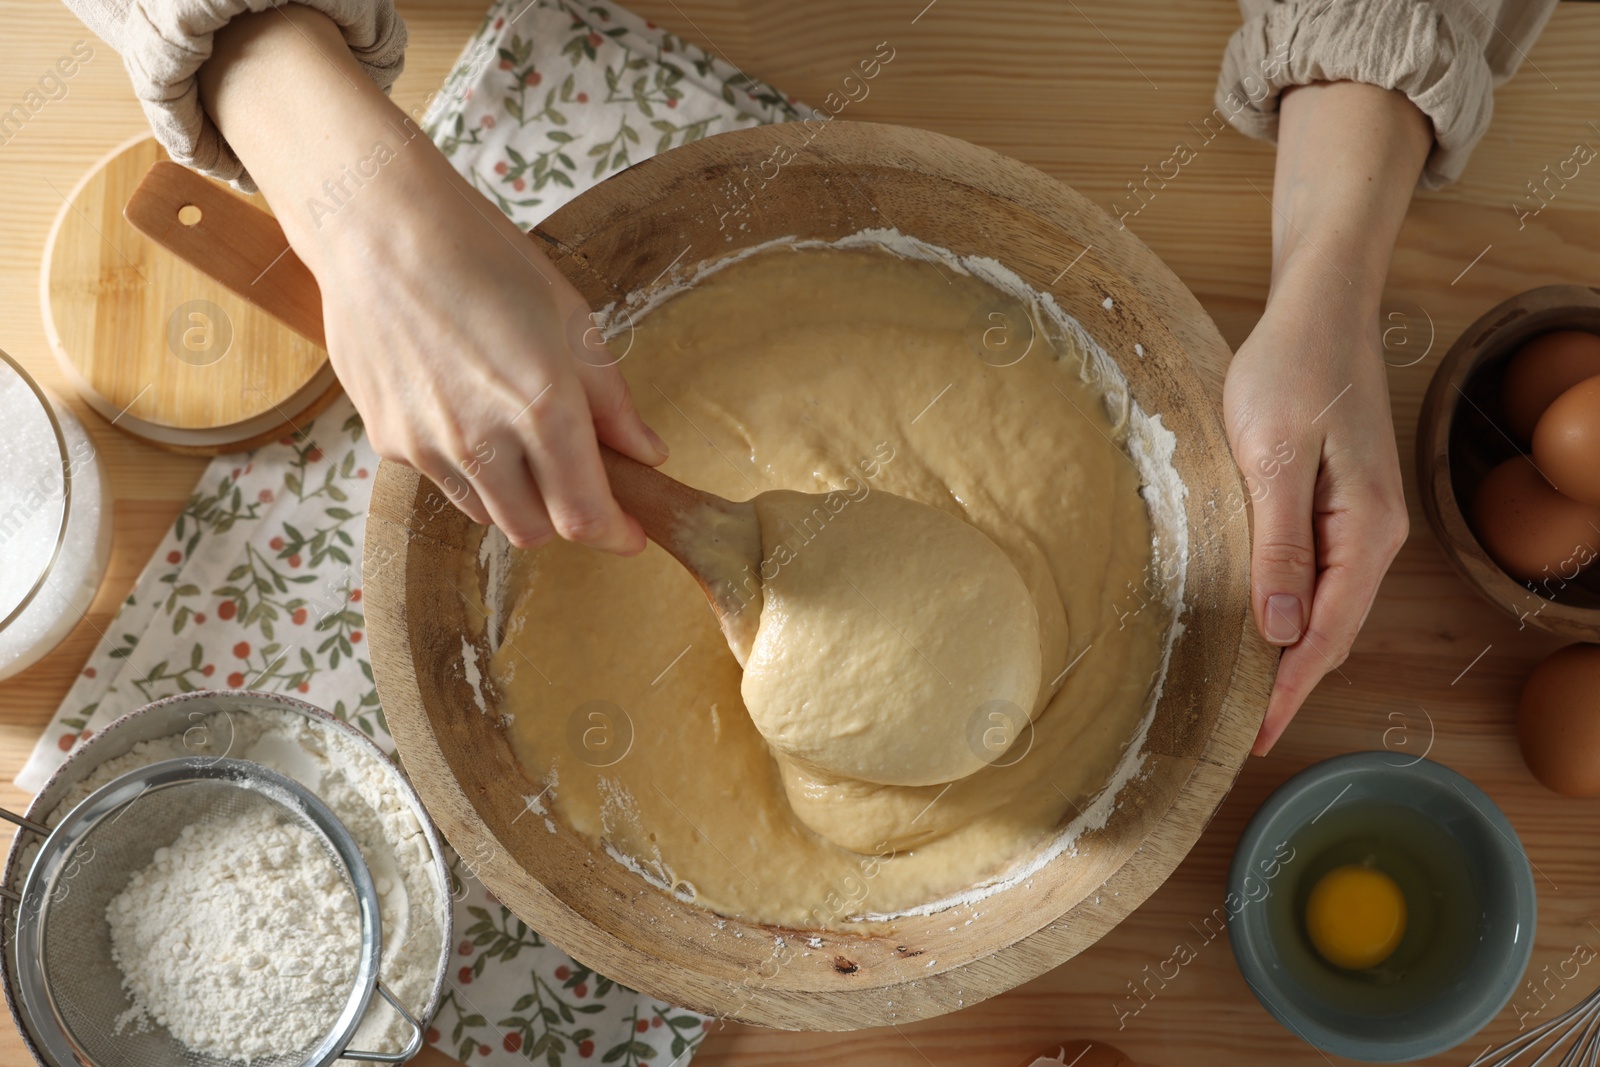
1307	412
463	348
1306	402
467	353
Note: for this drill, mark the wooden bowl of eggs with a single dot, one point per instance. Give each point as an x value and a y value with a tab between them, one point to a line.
1508	458
429	572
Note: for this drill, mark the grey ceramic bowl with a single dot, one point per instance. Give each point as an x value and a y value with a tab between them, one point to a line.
1469	946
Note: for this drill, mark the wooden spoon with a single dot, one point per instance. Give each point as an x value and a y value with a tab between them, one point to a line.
718	541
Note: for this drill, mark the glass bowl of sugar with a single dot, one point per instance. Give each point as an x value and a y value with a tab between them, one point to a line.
55	529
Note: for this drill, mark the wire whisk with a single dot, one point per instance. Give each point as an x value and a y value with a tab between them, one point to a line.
1574	1034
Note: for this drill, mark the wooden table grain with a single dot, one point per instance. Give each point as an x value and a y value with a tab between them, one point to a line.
1092	92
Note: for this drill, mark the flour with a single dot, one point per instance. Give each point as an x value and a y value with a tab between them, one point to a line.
365	792
241	938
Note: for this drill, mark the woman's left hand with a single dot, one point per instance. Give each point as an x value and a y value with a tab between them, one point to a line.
1306	406
1306	402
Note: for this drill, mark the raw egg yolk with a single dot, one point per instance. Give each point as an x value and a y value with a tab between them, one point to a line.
1356	917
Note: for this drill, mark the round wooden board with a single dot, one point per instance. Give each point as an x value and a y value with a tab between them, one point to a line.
154	345
633	232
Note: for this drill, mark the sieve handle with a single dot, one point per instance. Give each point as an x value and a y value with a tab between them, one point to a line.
30	826
26	824
413	1046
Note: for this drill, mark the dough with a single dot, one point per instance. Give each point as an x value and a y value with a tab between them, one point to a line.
888	630
856	372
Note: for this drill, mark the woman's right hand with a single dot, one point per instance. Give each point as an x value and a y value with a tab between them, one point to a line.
473	360
469	356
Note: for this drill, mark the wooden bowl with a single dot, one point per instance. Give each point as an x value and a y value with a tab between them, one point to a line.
658	218
1460	439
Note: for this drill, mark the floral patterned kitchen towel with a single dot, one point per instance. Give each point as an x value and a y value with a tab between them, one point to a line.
258	583
550	97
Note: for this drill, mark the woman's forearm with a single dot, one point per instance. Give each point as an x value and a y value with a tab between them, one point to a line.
447	327
1349	155
319	139
1306	402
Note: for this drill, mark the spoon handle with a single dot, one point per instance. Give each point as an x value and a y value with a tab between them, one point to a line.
658	501
718	541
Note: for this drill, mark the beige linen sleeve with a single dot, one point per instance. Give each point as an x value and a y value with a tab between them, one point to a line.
1446	55
163	43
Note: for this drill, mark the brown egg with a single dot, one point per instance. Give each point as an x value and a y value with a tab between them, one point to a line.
1566	442
1083	1054
1542	370
1558	721
1528	528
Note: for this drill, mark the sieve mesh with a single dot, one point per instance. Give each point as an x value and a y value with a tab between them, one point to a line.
77	971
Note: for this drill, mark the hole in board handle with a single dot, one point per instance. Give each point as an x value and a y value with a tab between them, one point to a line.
189	214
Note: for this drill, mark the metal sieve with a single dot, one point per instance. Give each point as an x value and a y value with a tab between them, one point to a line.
71	986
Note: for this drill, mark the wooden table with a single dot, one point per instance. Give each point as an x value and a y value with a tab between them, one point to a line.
1091	92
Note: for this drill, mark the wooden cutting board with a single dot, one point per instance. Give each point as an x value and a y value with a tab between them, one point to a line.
155	346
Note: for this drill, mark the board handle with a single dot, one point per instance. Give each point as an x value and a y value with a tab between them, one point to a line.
225	236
